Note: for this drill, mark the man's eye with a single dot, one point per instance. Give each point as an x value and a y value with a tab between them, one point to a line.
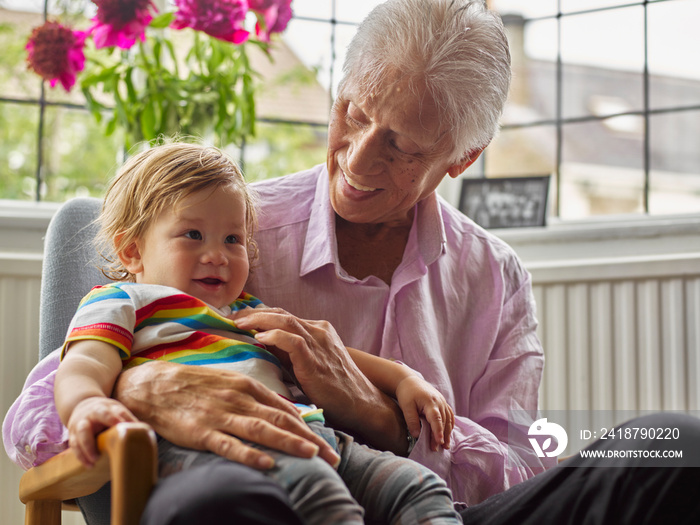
398	148
194	235
231	239
352	121
354	116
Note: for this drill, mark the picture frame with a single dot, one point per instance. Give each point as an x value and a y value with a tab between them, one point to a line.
506	202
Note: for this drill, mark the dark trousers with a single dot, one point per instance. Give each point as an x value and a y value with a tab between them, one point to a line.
577	491
604	491
217	493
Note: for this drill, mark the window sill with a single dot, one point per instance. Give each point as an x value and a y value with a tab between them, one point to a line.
23	225
605	238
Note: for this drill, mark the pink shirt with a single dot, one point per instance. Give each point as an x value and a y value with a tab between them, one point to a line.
459	310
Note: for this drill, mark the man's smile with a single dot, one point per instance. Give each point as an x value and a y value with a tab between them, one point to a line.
357	185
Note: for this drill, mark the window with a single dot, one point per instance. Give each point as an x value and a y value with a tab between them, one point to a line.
605	98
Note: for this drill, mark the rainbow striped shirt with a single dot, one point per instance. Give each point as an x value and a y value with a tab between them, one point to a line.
151	322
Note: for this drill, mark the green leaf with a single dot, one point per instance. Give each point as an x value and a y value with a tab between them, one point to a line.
173	56
94	106
217	57
111	126
148	119
132	98
96	76
157	45
162	21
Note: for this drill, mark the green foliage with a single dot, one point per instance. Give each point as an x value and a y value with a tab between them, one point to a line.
78	158
283	148
153	90
17	150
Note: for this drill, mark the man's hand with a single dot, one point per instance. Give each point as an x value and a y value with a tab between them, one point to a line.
210	409
328	376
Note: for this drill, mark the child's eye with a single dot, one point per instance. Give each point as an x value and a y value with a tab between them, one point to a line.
194	235
231	239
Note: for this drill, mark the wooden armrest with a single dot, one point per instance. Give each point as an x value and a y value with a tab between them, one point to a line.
128	457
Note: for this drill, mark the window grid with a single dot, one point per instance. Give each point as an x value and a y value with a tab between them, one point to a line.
42	103
559	121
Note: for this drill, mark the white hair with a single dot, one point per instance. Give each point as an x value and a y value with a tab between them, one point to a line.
456	48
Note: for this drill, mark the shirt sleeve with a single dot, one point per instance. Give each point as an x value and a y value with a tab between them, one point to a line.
490	451
32	432
107	313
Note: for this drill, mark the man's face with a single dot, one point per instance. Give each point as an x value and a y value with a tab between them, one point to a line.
386	152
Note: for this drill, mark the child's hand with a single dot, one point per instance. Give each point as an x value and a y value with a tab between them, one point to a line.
417	398
90	417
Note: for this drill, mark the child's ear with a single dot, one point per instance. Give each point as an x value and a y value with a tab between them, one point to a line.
130	256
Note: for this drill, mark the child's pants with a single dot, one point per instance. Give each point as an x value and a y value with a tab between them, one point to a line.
369	486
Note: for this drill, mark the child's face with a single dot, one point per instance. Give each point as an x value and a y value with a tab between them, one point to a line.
197	246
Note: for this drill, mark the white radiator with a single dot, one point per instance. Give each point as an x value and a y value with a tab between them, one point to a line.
620	334
20	277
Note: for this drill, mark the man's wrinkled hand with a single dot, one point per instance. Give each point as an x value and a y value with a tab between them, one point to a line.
212	409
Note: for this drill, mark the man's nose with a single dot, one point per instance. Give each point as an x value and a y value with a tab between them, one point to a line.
366	152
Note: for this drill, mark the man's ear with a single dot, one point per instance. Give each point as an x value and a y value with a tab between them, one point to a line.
456	169
130	256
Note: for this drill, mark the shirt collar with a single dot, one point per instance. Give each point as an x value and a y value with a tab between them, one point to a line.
427	237
430	228
320	246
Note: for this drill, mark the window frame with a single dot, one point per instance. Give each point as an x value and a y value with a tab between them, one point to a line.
560	121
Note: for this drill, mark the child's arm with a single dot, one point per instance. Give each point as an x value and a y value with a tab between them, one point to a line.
82	391
415	396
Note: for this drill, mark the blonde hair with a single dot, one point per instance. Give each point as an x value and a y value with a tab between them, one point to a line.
156	179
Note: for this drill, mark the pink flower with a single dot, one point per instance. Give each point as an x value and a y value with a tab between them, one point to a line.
276	13
222	19
55	53
120	22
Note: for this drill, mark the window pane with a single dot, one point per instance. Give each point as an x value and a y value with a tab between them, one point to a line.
343	36
36	6
528	9
569	6
603	73
291	90
280	149
541	39
601	172
17	80
675	163
311	41
354	10
522	151
313	8
19	124
78	158
532	96
674	44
